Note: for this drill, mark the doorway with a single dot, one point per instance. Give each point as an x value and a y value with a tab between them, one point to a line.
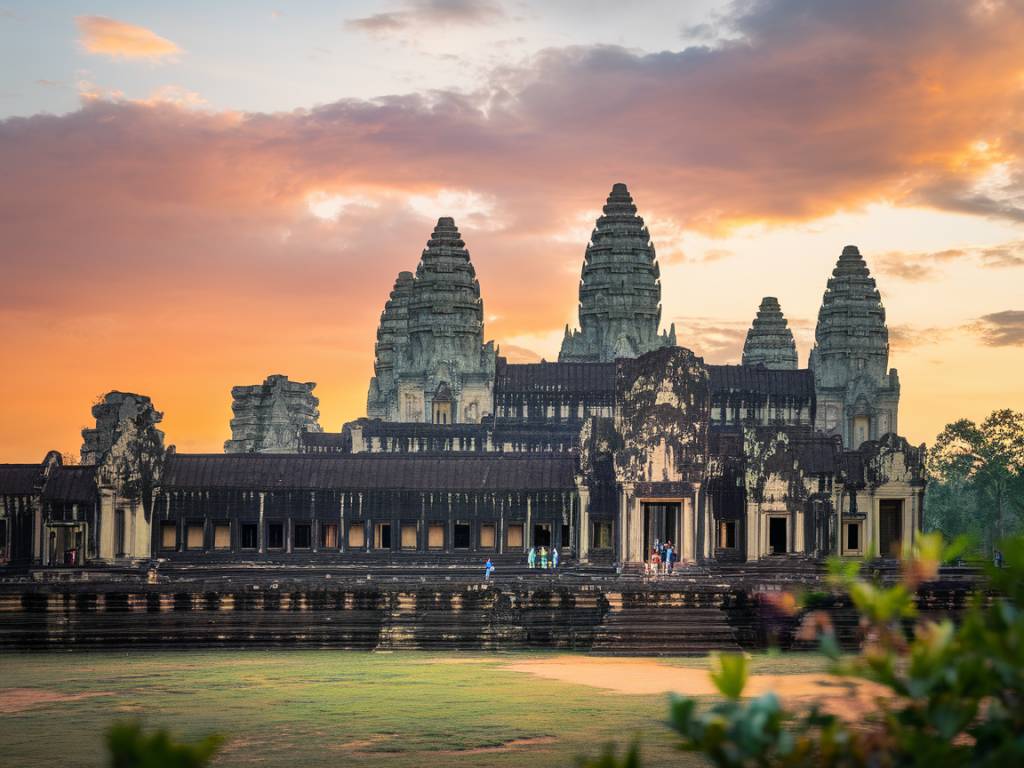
890	527
661	524
542	535
777	544
382	536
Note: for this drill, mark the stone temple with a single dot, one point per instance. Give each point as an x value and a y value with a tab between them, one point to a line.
627	440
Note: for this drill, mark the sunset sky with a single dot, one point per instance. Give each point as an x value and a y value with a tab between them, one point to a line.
196	195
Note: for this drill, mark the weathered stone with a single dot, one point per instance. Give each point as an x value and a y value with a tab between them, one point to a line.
431	334
113	414
270	416
620	290
858	396
769	341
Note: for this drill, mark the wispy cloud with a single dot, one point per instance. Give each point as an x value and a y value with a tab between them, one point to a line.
922	266
119	39
427	13
1001	329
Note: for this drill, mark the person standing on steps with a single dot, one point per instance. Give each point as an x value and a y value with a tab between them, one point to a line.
669	557
488	569
543	558
554	558
531	558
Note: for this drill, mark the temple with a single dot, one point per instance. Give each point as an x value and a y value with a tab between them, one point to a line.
629	439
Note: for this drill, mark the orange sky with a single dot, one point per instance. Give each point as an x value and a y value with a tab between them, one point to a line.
164	244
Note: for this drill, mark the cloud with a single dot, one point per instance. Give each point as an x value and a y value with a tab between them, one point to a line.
137	233
921	266
910	337
1001	329
118	39
428	13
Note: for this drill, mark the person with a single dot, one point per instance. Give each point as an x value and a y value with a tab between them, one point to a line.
554	557
998	559
655	561
544	558
531	558
669	557
488	568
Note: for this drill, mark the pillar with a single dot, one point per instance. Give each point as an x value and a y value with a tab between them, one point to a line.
689	551
583	553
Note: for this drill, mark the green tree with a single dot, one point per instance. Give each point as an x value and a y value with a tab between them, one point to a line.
978	477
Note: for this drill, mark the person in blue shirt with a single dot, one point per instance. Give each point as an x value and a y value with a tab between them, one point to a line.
669	556
554	557
488	568
531	558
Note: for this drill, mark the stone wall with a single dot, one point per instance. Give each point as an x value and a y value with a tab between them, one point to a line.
270	416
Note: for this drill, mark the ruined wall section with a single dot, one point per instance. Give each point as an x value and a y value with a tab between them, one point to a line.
662	413
269	417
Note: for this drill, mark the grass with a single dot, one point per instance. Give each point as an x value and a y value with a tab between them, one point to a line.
334	708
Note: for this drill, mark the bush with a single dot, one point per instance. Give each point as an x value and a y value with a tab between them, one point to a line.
955	694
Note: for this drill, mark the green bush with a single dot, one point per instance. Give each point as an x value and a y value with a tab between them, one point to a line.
131	748
955	693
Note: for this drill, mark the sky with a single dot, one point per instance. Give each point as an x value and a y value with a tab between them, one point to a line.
197	195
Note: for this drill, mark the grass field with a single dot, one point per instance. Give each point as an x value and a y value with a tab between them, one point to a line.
330	708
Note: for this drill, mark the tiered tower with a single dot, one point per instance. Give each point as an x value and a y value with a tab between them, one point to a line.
620	289
857	394
392	339
431	339
769	341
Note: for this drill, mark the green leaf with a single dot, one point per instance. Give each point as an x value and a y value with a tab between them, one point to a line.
729	674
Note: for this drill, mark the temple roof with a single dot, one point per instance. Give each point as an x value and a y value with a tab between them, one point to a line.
577	378
757	379
71	483
363	472
769	340
20	479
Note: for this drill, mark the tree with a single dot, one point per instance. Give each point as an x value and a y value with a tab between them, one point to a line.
955	692
131	748
979	473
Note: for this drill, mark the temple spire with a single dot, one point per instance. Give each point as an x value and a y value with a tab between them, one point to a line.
770	341
620	289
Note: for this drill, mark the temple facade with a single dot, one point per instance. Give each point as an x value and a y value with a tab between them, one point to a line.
627	440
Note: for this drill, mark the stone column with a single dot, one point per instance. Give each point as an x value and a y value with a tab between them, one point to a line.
583	537
798	530
753	521
636	539
688	551
625	492
106	523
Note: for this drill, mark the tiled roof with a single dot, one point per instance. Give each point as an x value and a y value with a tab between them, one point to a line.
760	380
74	483
582	378
19	479
369	472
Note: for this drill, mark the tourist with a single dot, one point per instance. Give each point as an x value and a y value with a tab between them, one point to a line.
669	556
655	560
531	558
488	568
554	557
543	558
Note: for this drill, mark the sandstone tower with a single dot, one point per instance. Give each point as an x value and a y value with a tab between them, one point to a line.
392	338
270	416
620	289
769	341
858	395
430	342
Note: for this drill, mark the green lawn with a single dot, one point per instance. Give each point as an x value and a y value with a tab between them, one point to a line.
333	708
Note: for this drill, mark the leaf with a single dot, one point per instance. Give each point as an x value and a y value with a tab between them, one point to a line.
729	674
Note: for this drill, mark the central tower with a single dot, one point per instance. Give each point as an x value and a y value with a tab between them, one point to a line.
620	290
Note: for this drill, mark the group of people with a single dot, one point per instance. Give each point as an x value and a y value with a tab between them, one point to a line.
536	558
662	558
542	555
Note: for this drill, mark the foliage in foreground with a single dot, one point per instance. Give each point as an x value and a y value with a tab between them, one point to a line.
954	695
131	748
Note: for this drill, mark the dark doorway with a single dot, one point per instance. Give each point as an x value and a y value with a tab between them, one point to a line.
542	535
382	536
119	532
890	527
777	535
661	524
460	537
